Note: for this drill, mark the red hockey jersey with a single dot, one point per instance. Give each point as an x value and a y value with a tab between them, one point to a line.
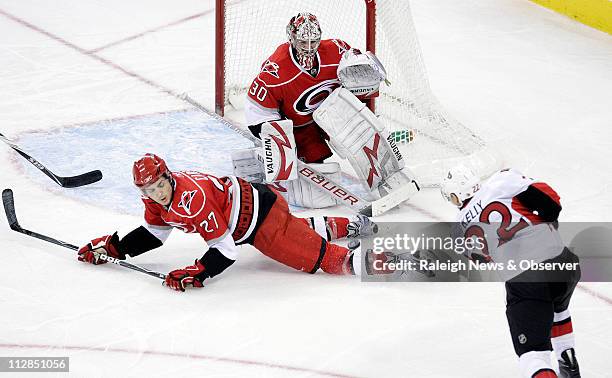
284	88
225	211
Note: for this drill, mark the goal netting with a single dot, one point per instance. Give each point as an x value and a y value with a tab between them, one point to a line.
248	31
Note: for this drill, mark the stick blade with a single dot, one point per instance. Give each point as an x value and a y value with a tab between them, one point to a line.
367	211
81	180
9	208
394	198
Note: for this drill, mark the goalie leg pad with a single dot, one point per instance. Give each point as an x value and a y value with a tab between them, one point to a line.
357	135
247	165
278	152
302	193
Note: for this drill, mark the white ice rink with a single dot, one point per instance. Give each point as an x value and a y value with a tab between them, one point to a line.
91	85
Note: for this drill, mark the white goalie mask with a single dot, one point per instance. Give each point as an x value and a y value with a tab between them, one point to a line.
459	184
304	34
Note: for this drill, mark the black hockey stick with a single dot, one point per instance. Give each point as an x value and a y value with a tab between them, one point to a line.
66	182
9	208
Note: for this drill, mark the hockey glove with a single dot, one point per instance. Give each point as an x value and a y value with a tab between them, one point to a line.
192	275
107	245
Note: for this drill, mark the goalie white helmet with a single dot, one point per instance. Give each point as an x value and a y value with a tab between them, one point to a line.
459	184
304	34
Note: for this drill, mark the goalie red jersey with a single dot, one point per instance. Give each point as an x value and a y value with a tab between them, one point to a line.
283	88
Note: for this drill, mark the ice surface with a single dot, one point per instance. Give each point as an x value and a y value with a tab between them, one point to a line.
533	82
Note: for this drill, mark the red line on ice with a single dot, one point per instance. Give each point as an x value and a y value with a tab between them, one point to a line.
595	294
171	354
92	55
136	36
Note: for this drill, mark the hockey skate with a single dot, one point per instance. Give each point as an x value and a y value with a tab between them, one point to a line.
354	263
568	366
362	226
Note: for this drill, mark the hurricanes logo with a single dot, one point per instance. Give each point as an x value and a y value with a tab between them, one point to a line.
342	46
271	68
312	97
186	199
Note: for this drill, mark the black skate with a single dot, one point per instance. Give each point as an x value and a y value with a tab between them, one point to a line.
568	366
361	226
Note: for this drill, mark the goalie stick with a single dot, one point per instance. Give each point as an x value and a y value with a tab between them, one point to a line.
65	182
9	207
334	189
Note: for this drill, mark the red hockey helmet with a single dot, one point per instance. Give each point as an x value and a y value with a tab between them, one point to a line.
148	169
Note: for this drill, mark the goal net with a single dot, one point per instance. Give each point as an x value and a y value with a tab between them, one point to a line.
248	31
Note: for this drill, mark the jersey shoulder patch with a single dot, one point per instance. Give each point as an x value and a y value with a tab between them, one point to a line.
339	45
278	67
331	51
507	183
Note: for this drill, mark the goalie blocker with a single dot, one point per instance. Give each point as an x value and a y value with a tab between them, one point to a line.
357	135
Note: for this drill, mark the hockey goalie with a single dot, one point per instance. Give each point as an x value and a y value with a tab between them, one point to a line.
307	101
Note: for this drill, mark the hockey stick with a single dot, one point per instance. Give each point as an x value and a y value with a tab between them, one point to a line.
66	182
9	207
316	178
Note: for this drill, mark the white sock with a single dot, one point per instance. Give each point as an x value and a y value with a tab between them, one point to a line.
532	362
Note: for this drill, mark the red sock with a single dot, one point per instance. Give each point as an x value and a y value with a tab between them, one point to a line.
545	373
336	227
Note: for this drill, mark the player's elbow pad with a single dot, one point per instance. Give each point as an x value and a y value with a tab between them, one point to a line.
536	200
215	262
138	242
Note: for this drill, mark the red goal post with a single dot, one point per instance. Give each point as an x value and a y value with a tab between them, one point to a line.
220	13
248	31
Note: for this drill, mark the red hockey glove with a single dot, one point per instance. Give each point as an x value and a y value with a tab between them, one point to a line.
192	275
105	245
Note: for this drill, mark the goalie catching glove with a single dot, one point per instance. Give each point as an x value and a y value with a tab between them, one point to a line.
361	73
99	249
192	275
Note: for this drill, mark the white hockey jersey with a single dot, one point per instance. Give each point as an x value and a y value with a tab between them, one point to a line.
511	234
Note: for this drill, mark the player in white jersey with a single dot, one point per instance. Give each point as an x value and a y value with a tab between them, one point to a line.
516	219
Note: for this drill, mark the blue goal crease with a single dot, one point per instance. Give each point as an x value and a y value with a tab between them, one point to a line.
187	140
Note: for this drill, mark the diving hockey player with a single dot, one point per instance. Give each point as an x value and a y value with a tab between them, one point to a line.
303	101
227	212
516	217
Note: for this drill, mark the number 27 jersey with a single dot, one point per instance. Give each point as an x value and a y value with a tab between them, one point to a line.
225	211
